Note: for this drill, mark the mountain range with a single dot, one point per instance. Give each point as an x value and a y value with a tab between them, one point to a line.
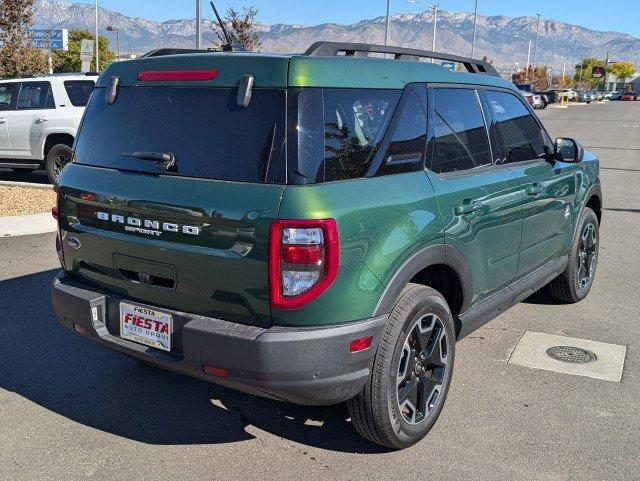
504	40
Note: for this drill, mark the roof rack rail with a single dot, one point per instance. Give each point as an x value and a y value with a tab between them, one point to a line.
334	49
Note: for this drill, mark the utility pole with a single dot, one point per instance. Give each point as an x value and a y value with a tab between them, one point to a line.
198	24
535	51
529	74
475	24
386	31
573	55
581	69
604	77
97	49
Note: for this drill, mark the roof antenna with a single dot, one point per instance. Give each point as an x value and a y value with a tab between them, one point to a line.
232	45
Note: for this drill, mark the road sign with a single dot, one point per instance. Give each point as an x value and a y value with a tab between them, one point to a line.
50	39
449	65
86	50
597	72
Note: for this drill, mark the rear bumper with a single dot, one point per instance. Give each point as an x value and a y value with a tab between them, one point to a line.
302	365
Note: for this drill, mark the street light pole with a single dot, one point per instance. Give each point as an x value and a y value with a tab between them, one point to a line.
112	28
386	31
535	51
198	24
435	20
435	25
475	24
581	69
97	45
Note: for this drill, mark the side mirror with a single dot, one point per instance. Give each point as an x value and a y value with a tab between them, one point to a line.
568	150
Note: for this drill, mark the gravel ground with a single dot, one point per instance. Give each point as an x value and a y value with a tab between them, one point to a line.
25	200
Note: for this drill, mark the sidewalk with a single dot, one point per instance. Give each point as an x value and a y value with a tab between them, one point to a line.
13	226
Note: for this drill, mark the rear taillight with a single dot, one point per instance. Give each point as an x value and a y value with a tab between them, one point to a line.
303	261
55	212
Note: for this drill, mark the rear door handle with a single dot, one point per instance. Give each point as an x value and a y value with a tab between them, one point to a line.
42	120
3	121
468	207
535	189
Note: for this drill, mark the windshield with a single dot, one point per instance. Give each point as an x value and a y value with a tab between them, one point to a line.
202	129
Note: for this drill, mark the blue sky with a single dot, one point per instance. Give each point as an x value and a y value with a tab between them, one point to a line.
595	14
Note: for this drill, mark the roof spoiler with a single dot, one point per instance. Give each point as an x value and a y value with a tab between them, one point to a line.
334	49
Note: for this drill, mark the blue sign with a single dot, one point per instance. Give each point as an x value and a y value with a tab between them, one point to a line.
50	39
449	65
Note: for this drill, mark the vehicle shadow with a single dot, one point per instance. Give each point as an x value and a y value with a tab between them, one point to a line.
543	297
105	390
35	177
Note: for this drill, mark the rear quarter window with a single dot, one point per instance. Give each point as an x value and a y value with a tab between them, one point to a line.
79	91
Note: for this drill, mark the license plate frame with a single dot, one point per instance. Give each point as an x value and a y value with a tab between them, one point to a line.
146	326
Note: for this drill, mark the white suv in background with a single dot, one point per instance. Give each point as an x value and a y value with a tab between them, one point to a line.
39	119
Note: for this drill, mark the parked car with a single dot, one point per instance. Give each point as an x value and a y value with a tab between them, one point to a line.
608	95
39	120
584	96
615	96
628	96
535	100
289	227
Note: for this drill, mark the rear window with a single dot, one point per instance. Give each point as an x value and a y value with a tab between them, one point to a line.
203	129
79	91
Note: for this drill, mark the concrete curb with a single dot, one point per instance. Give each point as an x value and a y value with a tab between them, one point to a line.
31	185
19	225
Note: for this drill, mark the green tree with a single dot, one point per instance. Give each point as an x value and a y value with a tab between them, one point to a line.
244	26
69	60
17	56
623	70
586	67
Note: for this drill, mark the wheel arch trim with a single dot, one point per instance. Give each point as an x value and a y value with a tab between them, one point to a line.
439	254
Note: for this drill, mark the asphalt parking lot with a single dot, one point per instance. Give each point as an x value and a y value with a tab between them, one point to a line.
72	409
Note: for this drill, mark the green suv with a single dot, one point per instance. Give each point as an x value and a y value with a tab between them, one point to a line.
316	228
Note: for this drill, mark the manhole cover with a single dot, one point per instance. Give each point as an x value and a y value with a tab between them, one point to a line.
571	354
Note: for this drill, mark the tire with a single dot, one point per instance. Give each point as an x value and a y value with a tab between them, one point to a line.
544	105
574	284
22	170
59	155
376	411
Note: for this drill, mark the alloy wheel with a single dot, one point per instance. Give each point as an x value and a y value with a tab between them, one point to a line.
587	256
421	369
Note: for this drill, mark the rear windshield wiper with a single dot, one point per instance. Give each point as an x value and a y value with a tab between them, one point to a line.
164	159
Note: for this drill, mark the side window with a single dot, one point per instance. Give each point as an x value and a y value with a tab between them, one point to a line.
79	91
405	151
521	135
35	95
460	140
7	96
355	122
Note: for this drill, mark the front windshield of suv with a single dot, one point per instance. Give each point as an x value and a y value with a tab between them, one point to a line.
202	129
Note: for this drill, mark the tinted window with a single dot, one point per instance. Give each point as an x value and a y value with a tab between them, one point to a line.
204	129
408	140
460	137
35	95
79	91
7	95
520	133
336	133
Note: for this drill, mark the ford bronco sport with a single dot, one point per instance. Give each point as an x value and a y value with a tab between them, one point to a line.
316	228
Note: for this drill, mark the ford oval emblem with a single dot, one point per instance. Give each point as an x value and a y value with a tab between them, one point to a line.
74	243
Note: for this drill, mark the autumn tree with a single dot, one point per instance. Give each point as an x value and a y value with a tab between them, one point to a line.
244	26
539	77
69	60
18	57
584	73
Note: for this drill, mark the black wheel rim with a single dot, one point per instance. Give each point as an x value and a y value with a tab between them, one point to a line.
59	161
421	369
587	256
